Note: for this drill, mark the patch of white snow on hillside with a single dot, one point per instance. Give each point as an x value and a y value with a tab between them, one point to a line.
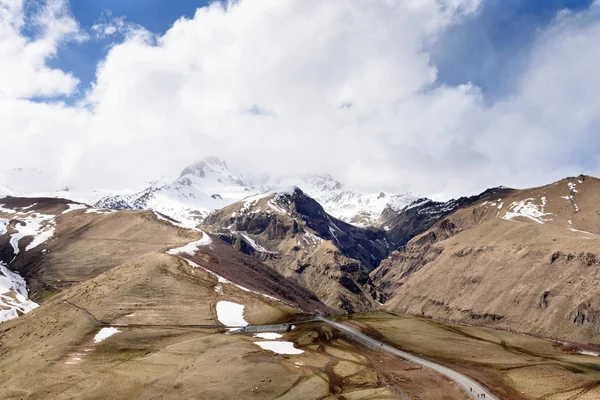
7	210
334	235
280	347
526	209
14	299
73	207
99	211
587	233
254	245
272	204
231	314
572	187
589	353
3	224
192	247
40	226
268	335
219	289
310	237
186	225
105	333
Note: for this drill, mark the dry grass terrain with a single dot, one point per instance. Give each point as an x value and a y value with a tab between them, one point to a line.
488	264
111	268
514	366
50	352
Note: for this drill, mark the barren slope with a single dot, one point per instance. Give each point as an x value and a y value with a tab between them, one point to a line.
83	242
528	261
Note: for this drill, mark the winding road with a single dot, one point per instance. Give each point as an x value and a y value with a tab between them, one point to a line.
474	389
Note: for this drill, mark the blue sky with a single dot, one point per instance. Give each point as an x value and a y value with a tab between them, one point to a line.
485	50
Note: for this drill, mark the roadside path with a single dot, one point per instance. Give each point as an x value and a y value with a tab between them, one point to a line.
473	389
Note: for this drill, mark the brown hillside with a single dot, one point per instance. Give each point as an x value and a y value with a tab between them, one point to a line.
86	242
528	262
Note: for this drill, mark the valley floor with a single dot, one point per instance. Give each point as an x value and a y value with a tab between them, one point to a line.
512	366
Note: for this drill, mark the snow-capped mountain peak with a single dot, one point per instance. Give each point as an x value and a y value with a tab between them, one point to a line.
356	207
211	168
201	188
323	182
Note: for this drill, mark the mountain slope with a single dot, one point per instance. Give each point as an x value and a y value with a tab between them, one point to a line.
525	261
291	232
147	302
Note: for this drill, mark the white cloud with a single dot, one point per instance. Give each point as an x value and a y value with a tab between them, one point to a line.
109	26
305	85
23	69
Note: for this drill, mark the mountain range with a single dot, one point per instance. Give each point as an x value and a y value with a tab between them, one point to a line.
522	260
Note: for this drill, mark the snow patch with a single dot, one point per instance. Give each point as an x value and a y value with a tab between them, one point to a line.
268	335
3	224
73	207
99	211
310	237
587	233
254	245
280	347
40	226
219	289
105	333
527	209
231	314
192	247
7	210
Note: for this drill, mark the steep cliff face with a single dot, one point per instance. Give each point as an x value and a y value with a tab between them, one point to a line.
527	261
291	232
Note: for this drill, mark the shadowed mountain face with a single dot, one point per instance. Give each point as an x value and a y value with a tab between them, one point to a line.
291	232
403	225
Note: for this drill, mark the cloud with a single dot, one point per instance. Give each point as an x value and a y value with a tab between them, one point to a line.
310	86
23	60
109	26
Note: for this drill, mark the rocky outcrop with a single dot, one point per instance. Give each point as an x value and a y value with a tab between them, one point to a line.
291	232
585	314
424	213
